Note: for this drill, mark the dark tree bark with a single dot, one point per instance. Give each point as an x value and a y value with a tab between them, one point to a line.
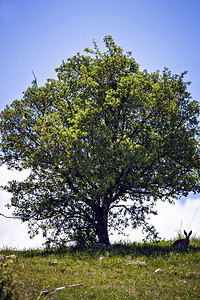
102	225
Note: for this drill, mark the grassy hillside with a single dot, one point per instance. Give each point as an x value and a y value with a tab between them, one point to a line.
131	271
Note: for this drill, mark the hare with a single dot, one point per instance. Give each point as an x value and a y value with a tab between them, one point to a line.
183	243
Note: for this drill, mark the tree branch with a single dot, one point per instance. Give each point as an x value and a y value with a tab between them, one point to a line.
46	292
35	79
8	217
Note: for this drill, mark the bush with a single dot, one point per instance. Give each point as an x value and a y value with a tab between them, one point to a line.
7	284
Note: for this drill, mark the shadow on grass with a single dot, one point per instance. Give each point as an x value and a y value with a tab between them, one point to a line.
153	249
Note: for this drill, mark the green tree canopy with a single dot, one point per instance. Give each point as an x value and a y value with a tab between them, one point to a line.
103	143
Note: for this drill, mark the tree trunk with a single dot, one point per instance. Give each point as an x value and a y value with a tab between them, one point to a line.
102	225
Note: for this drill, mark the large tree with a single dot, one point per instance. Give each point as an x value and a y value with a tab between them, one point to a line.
103	143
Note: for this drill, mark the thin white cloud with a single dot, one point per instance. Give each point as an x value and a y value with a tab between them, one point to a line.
14	233
170	220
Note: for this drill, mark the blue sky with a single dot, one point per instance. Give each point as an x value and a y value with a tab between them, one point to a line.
37	35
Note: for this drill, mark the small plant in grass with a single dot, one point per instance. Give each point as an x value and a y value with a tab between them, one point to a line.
7	283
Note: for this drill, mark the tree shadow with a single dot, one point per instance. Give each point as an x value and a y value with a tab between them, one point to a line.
153	249
149	249
143	249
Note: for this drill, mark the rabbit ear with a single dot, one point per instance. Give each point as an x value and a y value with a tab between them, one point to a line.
190	233
185	232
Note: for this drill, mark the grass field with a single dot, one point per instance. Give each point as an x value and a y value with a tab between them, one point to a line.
128	271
